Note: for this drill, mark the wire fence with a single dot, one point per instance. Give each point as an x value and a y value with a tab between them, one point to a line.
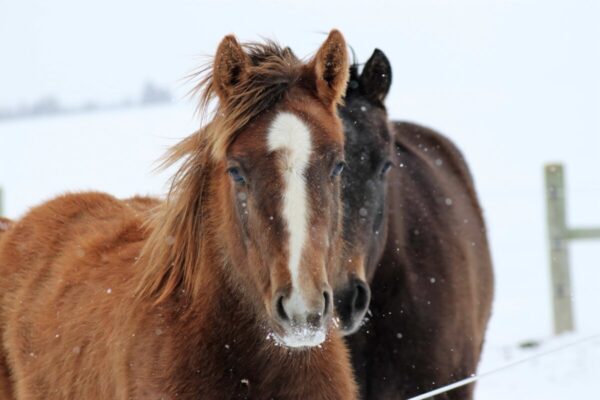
475	378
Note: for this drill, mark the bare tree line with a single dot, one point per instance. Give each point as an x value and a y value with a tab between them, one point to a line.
51	105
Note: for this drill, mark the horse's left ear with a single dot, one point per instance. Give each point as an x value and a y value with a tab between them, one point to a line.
330	69
230	66
376	77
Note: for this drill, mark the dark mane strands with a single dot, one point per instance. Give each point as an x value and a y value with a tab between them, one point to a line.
171	254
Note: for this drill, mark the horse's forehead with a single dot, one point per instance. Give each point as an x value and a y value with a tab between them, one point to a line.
325	126
366	129
293	126
288	132
295	137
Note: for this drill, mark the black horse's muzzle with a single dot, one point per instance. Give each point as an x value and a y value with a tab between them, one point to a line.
352	303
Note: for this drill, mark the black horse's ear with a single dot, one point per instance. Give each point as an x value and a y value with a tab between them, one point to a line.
376	77
289	52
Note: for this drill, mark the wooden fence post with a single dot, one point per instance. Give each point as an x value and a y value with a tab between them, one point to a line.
558	237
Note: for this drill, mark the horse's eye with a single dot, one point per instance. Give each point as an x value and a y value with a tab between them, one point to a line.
385	168
337	170
236	175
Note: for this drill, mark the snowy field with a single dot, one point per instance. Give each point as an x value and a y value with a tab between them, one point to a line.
514	83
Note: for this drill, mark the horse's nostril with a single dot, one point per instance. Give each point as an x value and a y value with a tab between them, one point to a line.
281	310
362	296
327	305
314	319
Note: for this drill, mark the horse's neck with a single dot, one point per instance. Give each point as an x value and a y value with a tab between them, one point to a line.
231	345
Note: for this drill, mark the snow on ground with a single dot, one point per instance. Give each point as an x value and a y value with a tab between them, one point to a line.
569	373
116	152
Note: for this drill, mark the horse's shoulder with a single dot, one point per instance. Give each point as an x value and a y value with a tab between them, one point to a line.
71	235
142	203
71	203
85	216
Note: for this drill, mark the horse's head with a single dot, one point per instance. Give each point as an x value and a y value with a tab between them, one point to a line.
368	152
280	188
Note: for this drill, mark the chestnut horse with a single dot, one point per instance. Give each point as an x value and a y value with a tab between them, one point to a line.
414	230
220	292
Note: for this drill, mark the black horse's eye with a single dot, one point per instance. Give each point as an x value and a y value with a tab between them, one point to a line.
337	170
236	175
385	168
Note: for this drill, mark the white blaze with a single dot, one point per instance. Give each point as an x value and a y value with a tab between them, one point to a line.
291	136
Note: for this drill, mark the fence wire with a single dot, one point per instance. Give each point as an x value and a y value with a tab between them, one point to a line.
511	365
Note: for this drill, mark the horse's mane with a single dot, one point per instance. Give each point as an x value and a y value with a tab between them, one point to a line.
171	255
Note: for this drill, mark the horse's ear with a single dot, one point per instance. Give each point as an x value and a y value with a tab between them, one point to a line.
330	69
289	52
230	66
376	77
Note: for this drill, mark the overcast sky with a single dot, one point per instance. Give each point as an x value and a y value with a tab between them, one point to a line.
541	52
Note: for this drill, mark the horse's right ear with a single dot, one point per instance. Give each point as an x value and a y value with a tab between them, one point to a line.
230	66
330	69
376	77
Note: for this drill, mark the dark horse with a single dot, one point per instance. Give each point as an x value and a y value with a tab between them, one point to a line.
220	292
414	230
